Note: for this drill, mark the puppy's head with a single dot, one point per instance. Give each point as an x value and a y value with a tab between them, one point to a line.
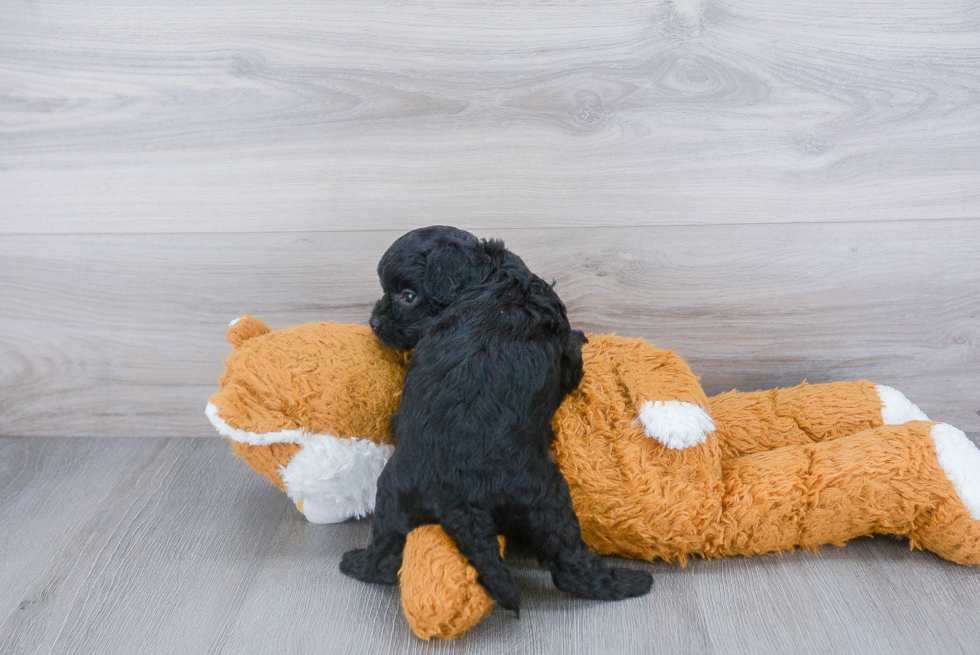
421	274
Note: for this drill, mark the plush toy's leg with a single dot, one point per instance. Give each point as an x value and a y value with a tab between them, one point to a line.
752	422
475	535
440	593
918	479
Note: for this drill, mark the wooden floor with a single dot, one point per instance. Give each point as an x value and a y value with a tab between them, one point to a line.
778	189
125	545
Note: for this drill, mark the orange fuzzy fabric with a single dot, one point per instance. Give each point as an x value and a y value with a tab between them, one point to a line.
765	420
881	481
634	496
266	460
784	468
430	610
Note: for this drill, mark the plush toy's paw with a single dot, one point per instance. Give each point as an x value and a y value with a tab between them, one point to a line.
676	424
960	460
361	565
324	509
320	510
896	408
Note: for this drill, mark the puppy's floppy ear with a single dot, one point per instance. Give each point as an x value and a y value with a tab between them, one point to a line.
449	267
571	361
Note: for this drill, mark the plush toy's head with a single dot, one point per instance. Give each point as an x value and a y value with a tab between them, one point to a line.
309	408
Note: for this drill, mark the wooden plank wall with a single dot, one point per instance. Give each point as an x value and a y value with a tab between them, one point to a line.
777	189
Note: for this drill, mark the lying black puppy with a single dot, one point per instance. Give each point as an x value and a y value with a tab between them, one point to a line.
494	356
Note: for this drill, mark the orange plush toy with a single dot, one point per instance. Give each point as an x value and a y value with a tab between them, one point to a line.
656	468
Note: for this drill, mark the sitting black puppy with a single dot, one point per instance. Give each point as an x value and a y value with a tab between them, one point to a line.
494	356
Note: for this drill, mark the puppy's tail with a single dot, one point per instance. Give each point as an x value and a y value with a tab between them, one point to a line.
476	537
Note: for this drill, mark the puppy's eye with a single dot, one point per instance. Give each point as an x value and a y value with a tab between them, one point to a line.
408	297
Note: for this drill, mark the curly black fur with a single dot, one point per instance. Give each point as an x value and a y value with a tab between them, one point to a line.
494	356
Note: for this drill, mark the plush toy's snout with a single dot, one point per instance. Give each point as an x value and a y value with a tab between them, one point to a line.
308	407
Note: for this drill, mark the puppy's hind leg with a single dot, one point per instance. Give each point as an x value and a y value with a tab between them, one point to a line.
475	534
554	535
380	561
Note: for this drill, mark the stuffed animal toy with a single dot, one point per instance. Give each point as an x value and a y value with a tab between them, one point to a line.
656	468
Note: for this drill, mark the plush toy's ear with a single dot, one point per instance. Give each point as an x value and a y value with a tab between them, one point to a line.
244	328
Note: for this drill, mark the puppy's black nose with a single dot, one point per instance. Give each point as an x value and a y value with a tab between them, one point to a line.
374	322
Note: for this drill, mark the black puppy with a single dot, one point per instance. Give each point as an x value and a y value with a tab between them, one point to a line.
494	356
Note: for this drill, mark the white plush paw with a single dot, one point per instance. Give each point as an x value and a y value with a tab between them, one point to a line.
896	408
323	510
676	424
960	460
332	479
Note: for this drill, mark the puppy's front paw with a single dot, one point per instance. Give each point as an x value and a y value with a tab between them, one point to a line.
360	565
675	424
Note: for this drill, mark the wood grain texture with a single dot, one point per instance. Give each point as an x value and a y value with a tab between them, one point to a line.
116	335
785	190
252	116
173	546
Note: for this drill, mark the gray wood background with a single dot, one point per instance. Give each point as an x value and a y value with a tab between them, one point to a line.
777	189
